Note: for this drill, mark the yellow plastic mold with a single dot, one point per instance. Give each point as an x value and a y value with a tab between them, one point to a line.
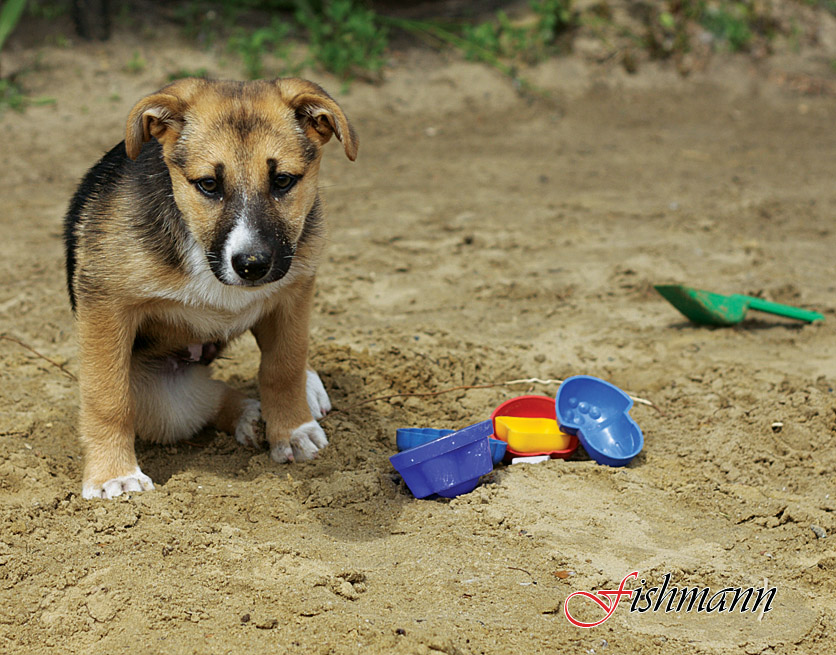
531	435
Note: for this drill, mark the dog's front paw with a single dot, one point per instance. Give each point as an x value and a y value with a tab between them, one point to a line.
247	430
136	481
318	400
305	442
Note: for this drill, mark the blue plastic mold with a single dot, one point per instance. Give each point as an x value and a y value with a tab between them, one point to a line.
597	412
485	428
448	466
407	438
498	448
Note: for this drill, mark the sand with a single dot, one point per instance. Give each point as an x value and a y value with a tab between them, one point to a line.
480	237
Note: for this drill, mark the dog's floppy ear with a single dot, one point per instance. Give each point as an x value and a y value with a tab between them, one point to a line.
159	115
319	114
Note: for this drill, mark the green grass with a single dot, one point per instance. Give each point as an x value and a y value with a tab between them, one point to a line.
730	23
252	46
13	97
11	94
735	25
180	73
500	42
136	64
47	9
344	37
530	42
829	5
10	14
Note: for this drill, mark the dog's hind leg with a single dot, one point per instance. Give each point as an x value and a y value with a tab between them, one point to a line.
173	402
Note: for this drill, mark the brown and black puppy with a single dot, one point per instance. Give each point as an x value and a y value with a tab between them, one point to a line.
204	223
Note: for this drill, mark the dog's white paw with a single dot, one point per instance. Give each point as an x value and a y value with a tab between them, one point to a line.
246	430
318	399
136	481
305	442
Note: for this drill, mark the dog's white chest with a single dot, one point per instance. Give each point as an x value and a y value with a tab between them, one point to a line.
212	310
210	323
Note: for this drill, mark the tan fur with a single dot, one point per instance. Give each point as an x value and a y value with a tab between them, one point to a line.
120	291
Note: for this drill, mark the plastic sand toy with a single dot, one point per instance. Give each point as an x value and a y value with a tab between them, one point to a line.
448	466
407	438
526	429
532	407
531	435
597	412
707	308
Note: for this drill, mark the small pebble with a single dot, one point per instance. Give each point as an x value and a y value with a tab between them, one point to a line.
819	532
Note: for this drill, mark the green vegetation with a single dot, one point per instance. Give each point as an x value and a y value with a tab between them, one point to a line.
11	95
252	46
829	5
10	14
187	72
136	64
729	23
344	37
501	42
531	41
46	9
734	26
349	39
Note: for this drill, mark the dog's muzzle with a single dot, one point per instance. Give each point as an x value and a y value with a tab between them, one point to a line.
260	265
252	266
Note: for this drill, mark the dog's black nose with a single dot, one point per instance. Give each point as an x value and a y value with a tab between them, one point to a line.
252	266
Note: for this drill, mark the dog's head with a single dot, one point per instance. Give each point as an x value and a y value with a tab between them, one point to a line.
243	160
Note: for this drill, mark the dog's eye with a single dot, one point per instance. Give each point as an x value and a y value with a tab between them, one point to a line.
283	183
209	187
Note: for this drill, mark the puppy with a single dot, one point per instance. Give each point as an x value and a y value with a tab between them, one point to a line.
205	222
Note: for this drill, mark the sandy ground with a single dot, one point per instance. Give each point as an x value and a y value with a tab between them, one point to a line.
479	238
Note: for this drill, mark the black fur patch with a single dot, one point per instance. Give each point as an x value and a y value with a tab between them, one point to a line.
314	224
266	224
155	224
142	343
99	182
310	151
158	224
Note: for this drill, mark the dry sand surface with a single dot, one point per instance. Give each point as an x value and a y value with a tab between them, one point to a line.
480	237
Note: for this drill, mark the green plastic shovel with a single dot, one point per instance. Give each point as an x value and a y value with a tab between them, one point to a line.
708	308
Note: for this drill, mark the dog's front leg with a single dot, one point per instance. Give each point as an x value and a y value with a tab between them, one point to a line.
284	380
107	415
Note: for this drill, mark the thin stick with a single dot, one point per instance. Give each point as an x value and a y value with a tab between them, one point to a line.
44	357
468	387
641	401
465	387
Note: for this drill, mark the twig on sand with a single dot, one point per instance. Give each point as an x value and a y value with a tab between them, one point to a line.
468	387
42	356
